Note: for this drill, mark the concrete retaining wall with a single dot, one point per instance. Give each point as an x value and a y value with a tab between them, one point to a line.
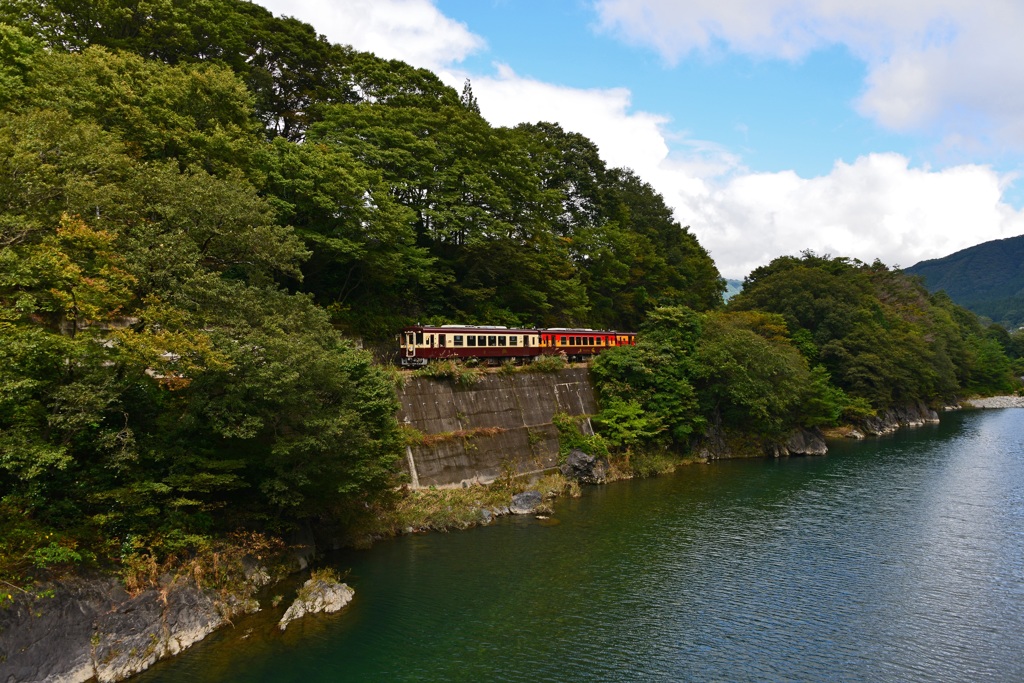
520	405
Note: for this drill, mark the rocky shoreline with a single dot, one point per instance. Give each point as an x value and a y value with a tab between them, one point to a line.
93	629
995	402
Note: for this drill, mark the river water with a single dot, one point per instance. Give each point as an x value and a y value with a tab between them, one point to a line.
892	559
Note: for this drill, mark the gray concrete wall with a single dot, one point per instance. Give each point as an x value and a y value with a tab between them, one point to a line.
521	405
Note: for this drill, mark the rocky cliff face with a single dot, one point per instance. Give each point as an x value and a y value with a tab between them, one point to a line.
887	422
93	629
717	445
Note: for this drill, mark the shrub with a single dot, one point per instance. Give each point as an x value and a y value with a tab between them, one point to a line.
451	370
547	364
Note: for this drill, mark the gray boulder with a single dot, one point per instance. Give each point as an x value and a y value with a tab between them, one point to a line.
525	503
584	468
317	595
806	442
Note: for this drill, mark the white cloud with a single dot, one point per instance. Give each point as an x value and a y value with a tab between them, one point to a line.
624	137
411	30
949	65
876	207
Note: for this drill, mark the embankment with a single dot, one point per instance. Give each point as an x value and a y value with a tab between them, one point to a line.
501	424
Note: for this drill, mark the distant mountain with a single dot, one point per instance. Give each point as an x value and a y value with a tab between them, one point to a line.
987	279
732	288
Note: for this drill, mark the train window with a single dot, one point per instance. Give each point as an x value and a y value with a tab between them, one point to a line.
513	340
419	337
563	340
600	341
492	340
501	341
471	340
457	340
442	340
590	341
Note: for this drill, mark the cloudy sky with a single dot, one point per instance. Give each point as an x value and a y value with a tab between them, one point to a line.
889	129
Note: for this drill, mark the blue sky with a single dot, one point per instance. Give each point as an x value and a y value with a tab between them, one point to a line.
777	114
865	128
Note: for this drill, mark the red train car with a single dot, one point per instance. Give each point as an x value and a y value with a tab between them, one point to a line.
421	344
578	343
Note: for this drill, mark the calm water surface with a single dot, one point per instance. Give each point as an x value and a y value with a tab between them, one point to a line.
896	559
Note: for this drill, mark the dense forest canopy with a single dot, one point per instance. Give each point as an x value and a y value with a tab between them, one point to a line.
411	205
202	203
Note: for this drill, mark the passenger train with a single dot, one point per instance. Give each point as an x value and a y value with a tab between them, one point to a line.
421	344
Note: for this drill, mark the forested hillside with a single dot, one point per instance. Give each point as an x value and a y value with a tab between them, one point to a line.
987	279
201	205
810	341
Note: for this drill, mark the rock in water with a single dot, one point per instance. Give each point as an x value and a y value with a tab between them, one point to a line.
806	442
317	595
584	468
525	503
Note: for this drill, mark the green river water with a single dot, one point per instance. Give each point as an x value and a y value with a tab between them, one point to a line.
893	559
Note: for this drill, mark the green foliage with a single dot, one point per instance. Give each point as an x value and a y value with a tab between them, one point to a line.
451	370
747	381
55	554
656	375
625	424
572	437
547	363
17	54
155	379
876	332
